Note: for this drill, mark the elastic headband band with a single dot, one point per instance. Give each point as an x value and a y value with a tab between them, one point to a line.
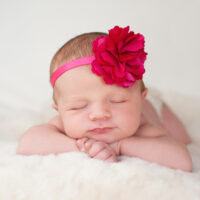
70	65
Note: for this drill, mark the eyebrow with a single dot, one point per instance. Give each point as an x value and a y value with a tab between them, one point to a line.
83	98
74	98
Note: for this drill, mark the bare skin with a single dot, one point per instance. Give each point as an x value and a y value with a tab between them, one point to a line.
51	138
105	121
169	122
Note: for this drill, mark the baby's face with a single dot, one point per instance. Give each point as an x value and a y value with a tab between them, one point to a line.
90	108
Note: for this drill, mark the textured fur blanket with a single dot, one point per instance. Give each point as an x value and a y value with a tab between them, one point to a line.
74	176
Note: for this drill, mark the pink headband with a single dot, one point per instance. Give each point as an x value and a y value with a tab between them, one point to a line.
70	65
118	57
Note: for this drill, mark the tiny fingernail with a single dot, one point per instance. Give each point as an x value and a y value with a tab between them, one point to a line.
78	141
82	149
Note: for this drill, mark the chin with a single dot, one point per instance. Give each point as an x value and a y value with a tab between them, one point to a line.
104	138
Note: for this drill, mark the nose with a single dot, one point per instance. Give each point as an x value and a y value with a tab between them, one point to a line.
99	113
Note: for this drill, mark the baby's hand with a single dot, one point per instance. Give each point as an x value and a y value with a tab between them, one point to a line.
96	149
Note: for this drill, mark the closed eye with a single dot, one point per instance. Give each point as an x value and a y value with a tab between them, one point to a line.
118	101
77	108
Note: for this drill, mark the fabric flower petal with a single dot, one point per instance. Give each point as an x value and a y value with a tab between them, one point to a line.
119	57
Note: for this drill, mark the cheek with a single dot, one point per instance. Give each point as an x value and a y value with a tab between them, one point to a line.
73	125
128	118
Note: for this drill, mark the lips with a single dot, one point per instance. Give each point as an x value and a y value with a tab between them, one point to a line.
101	130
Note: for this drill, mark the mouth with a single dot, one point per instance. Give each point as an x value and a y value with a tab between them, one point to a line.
102	130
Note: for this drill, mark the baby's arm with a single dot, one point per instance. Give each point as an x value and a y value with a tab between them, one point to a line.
45	139
163	149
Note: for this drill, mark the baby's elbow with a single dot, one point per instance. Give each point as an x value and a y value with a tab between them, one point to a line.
20	150
188	164
20	147
182	160
25	143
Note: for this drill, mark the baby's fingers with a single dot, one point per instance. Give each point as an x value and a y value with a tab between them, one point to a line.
88	144
107	155
95	149
80	143
112	158
103	154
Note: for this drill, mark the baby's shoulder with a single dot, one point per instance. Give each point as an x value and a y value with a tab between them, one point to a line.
151	114
151	130
56	121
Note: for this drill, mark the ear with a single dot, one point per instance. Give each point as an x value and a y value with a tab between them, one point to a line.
144	93
54	106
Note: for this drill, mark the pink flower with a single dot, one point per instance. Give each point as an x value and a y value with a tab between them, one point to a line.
119	57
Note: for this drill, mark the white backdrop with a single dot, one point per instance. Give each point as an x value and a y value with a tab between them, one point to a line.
33	30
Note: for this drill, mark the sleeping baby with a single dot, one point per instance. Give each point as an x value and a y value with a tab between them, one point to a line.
103	105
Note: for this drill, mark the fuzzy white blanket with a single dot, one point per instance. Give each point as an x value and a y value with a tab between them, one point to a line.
74	176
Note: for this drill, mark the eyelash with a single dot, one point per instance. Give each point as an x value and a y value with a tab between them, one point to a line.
121	101
78	108
112	101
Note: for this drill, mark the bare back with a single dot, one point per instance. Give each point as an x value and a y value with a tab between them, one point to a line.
167	120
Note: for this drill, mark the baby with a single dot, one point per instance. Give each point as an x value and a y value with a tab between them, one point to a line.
102	105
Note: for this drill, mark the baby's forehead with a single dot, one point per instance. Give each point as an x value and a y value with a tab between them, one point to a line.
82	81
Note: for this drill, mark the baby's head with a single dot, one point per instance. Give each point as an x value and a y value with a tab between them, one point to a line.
89	104
77	47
